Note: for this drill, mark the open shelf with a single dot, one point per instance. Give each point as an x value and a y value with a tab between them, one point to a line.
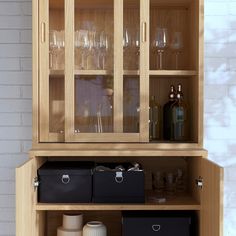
172	203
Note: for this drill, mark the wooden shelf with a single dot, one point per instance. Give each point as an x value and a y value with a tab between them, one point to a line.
94	72
183	73
174	203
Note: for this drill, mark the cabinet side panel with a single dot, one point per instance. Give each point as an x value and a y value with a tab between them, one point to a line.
24	200
211	199
35	69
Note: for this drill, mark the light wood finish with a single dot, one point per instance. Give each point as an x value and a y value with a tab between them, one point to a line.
200	60
69	69
24	200
144	69
44	72
118	67
181	203
133	152
181	73
35	68
211	199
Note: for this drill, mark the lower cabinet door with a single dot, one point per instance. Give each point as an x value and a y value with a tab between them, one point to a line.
27	220
211	223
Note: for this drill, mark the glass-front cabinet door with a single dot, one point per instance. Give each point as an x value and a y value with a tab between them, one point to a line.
102	75
92	87
51	71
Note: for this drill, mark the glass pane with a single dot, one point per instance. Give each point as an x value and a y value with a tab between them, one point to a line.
56	35
93	104
131	34
56	66
56	104
94	33
131	63
131	104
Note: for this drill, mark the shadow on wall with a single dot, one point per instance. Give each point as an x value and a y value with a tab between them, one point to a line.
220	93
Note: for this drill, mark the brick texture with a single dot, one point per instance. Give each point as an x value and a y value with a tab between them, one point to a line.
15	99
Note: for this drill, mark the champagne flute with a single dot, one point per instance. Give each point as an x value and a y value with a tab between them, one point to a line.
104	45
137	48
61	48
177	45
160	44
53	49
127	43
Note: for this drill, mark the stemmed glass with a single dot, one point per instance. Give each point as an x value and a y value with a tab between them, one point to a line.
160	44
61	48
127	43
104	46
137	48
177	45
52	49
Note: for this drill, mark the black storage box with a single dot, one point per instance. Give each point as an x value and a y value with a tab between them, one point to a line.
65	182
118	186
157	223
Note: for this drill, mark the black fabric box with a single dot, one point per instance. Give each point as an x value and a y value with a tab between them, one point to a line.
157	223
118	186
65	182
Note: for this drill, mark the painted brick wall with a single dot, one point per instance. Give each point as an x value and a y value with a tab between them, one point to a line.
15	99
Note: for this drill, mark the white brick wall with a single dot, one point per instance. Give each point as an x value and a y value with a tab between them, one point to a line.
15	99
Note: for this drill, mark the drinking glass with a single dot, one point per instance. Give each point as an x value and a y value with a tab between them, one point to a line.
160	44
127	43
104	46
82	46
137	48
61	48
52	49
177	46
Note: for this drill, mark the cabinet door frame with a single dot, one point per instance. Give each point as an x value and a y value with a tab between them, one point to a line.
28	221
211	199
118	135
44	128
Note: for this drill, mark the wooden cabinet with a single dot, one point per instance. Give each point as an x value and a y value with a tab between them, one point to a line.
95	65
99	63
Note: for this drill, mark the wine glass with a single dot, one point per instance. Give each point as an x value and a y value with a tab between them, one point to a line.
53	49
160	44
177	45
61	48
137	48
127	43
104	46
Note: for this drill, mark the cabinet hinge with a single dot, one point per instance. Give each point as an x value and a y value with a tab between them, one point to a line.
35	183
199	182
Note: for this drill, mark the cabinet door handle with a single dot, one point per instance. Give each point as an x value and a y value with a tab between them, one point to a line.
43	35
144	32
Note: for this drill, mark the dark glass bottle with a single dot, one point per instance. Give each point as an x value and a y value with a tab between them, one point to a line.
154	119
167	114
179	117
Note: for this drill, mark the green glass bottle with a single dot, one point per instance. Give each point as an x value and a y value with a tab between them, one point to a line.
167	114
179	117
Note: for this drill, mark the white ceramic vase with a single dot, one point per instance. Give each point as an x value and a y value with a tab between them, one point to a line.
71	226
94	228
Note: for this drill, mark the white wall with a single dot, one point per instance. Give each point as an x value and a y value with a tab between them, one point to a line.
15	99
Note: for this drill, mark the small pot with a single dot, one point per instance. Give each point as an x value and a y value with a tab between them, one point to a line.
94	228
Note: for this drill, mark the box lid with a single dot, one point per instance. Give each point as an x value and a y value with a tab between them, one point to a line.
66	167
